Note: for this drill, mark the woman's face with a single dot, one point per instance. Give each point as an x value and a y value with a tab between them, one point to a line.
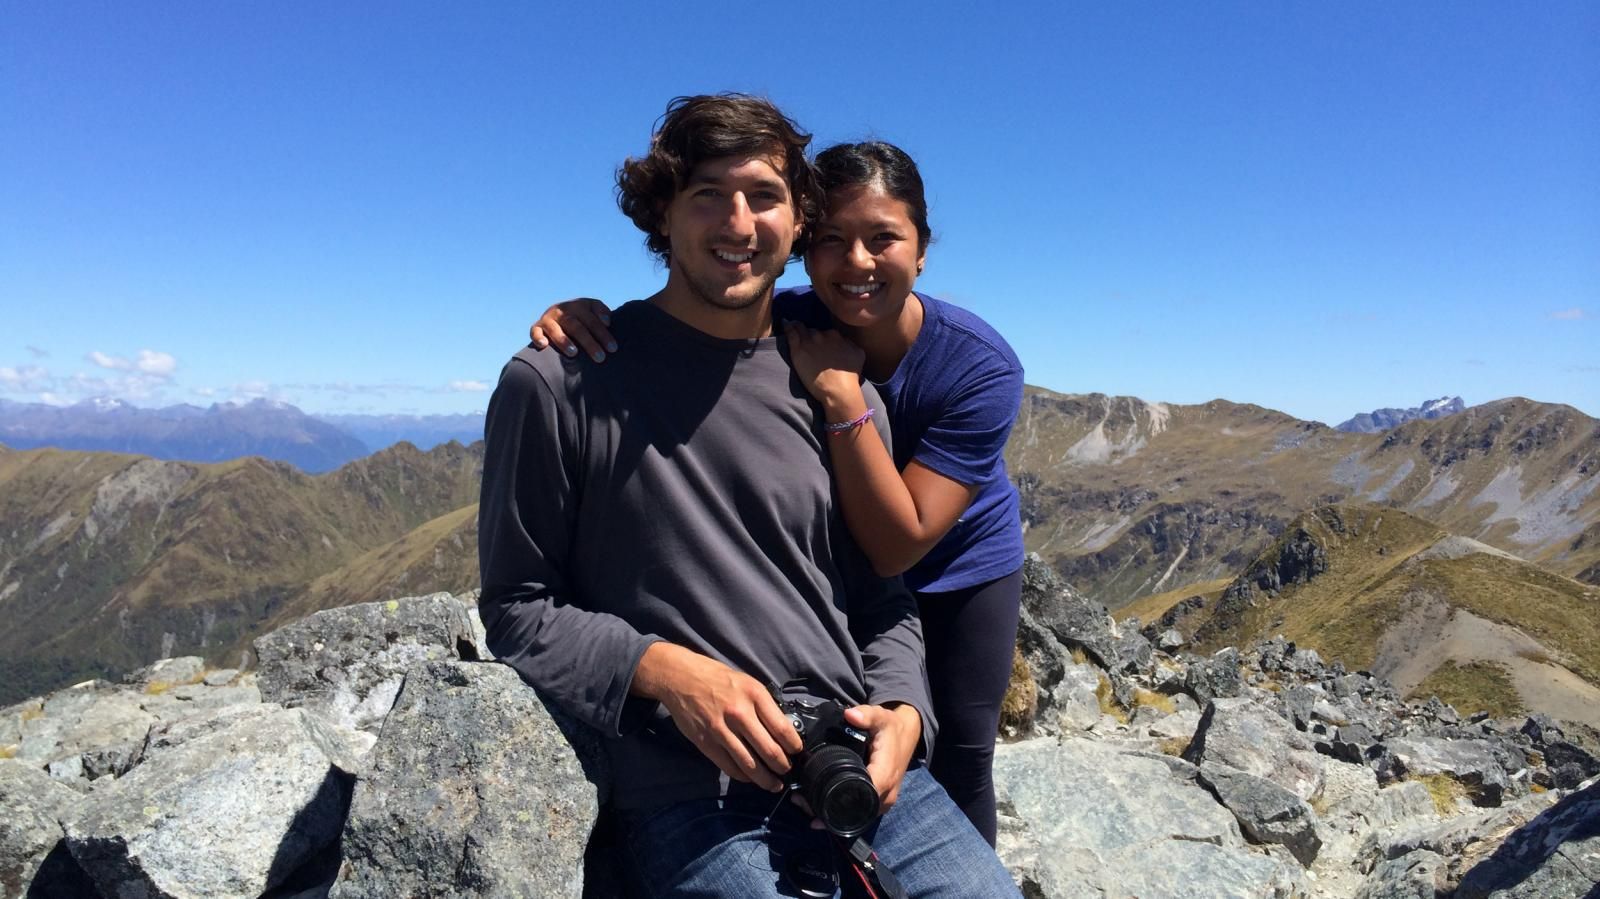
864	256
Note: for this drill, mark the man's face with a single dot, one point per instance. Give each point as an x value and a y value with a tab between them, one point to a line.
731	228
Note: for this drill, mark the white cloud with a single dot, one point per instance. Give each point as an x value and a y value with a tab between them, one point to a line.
152	362
203	391
115	363
467	386
24	378
1576	313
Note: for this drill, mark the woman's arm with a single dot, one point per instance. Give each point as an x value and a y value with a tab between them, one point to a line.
895	517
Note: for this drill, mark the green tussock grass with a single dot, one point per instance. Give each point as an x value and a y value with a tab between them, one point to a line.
1151	699
1473	687
1108	702
1021	702
1445	791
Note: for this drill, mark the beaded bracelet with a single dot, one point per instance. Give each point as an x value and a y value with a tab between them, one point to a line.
844	427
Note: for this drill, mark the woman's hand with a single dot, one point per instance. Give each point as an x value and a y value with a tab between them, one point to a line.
573	325
829	366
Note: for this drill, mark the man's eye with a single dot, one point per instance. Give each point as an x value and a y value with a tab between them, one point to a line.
708	192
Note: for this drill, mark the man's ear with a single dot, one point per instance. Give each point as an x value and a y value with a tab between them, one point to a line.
664	226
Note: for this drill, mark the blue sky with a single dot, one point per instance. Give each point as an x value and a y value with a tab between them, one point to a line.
1320	208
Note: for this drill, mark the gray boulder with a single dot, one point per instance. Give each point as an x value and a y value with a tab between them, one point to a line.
231	810
1555	855
1472	762
474	788
348	662
31	807
1243	735
1419	875
168	672
1217	677
1070	618
1266	812
1091	820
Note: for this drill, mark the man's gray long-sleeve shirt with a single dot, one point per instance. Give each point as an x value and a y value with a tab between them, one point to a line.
677	492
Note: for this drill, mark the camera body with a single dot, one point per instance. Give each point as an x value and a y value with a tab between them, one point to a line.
830	771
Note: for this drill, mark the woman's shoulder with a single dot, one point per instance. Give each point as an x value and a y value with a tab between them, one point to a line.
800	304
962	331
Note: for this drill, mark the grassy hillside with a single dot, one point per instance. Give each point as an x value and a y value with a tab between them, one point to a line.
1128	498
1384	590
108	561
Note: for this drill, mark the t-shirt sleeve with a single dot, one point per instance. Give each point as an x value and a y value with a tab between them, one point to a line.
582	660
967	440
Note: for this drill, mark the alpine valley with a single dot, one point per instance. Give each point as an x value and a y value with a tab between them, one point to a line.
1456	555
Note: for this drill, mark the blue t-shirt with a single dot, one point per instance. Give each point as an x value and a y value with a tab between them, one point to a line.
951	404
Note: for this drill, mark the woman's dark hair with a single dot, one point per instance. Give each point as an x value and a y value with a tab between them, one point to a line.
696	129
884	165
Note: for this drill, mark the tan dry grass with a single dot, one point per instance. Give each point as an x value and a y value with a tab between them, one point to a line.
1021	702
1445	791
1473	687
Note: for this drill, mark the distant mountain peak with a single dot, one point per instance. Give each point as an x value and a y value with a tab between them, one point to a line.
1384	419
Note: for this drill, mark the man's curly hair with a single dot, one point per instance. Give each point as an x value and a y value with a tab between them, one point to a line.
714	126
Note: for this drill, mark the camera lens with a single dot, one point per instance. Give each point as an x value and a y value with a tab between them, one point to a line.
839	790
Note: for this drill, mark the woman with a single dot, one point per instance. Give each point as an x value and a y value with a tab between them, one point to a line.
940	509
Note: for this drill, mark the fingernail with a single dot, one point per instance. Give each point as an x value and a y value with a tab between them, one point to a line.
541	343
611	345
600	356
571	350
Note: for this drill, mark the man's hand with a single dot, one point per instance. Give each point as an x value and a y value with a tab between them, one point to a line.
728	715
895	733
574	325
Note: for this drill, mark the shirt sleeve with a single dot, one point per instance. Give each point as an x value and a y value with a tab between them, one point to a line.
582	660
967	440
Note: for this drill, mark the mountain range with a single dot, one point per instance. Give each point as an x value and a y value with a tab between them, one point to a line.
224	431
108	561
1384	419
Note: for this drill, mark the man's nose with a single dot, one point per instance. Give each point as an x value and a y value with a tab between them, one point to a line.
741	221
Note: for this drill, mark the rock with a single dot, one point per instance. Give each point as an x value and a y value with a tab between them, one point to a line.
1420	875
1179	725
1215	677
1569	764
1170	640
349	661
1298	703
1557	854
1267	813
1472	762
1463	840
31	806
1243	735
230	812
221	677
1071	619
1104	822
1065	690
88	716
168	673
1541	729
472	789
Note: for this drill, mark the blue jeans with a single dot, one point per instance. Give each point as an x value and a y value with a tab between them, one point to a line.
738	847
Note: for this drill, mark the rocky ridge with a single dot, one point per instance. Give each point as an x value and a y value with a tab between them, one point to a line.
377	751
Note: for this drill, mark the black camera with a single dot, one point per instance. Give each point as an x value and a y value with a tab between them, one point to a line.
831	771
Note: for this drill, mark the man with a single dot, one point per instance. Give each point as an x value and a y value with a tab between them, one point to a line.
660	550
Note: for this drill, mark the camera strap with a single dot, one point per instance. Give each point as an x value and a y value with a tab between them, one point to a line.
875	876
